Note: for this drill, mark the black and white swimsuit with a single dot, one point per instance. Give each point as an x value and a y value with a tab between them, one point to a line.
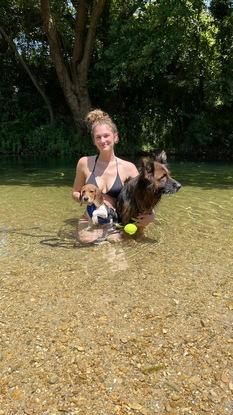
117	185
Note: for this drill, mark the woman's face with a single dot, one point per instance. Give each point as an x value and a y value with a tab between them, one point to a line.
104	138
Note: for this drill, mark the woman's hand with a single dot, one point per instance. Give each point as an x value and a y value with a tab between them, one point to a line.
144	219
76	196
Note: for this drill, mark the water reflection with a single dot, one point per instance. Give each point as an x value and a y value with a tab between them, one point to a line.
33	173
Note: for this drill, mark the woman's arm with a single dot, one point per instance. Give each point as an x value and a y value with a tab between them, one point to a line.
80	178
144	219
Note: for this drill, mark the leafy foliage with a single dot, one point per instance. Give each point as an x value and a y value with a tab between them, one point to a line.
163	69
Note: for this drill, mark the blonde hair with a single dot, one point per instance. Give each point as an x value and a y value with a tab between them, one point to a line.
99	117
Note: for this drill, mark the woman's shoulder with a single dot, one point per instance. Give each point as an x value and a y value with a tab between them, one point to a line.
85	161
125	162
128	167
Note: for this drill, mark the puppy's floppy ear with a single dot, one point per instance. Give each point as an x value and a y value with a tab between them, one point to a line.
98	197
160	156
147	167
80	197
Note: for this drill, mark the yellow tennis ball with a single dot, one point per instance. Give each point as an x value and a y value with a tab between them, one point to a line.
130	228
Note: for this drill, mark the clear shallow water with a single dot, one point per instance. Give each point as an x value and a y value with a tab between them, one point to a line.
38	219
190	238
117	314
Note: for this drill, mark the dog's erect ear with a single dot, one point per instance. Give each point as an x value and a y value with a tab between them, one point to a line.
147	167
98	197
160	156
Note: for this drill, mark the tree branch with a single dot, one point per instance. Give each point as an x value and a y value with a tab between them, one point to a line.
95	16
80	28
26	68
55	47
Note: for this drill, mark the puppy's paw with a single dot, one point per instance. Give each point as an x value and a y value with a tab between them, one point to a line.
95	219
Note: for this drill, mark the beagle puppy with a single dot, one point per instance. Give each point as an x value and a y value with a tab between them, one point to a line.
97	211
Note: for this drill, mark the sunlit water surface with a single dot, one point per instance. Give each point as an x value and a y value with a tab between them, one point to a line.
193	228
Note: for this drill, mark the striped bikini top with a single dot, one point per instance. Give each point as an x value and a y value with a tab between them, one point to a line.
117	185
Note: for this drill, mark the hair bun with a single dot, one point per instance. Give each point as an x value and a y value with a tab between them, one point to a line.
99	117
95	116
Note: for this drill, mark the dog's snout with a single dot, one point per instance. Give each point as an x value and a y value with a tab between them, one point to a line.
85	198
177	185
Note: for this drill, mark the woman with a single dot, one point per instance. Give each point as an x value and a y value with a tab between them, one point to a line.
105	170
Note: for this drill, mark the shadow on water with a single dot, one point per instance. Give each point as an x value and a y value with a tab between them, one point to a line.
65	237
59	173
24	232
60	239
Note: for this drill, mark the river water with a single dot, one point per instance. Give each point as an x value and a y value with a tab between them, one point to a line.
36	208
176	287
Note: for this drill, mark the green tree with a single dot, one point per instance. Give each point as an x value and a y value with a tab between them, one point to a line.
222	11
71	30
6	42
161	66
12	43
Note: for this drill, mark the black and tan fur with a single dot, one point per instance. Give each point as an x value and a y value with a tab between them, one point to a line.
142	193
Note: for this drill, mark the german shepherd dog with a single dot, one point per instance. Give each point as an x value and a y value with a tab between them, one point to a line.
142	193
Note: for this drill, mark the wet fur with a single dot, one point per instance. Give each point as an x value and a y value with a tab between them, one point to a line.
142	193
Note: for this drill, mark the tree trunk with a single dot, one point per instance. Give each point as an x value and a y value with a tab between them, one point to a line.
74	79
